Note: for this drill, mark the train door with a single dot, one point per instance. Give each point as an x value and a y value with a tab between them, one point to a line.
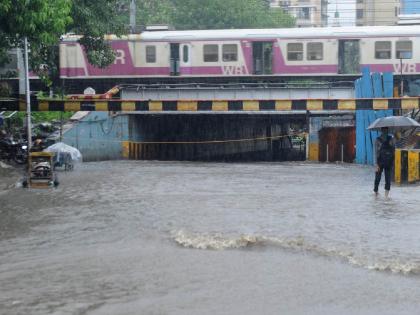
348	56
174	59
262	55
186	58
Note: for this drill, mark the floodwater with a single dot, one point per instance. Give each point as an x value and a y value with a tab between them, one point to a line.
133	237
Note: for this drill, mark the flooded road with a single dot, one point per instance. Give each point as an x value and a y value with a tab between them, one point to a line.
133	237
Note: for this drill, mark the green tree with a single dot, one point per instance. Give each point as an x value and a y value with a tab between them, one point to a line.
94	19
219	14
44	21
38	20
154	12
210	14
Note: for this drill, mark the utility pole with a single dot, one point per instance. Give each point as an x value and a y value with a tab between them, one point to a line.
28	95
133	10
401	77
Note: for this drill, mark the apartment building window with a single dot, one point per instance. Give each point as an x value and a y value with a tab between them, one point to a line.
359	14
304	14
383	50
150	54
294	51
230	52
211	53
315	51
404	49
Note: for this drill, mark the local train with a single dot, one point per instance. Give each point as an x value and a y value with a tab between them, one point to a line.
296	52
245	55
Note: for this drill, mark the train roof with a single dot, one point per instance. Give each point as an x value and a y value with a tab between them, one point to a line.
318	32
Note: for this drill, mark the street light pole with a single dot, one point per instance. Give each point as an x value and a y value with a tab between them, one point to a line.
133	10
401	78
28	96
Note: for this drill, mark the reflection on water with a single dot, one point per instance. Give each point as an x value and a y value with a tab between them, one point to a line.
117	237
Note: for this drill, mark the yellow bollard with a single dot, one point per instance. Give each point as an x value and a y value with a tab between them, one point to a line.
397	166
125	149
413	166
136	154
313	151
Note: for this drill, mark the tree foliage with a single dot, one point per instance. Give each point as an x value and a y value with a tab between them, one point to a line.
94	19
219	14
38	20
211	14
151	12
44	21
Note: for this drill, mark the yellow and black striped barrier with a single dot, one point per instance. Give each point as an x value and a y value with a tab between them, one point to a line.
210	105
407	166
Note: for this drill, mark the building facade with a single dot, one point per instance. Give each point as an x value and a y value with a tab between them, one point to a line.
377	12
308	13
410	12
410	7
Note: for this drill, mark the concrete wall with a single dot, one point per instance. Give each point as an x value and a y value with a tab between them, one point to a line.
99	136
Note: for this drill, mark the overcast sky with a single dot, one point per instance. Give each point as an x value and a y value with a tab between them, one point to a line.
346	9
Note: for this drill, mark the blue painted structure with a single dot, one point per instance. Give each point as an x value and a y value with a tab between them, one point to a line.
410	7
99	136
372	86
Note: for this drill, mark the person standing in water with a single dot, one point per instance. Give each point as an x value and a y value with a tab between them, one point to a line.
384	148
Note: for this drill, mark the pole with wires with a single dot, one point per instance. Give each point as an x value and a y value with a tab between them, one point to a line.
28	96
133	10
401	78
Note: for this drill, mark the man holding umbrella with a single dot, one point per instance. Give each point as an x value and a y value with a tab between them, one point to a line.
384	148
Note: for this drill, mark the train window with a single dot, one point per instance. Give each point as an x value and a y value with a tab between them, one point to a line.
211	53
383	50
294	51
404	49
315	51
150	54
230	52
185	53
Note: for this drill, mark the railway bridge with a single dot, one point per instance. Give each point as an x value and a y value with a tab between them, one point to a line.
213	129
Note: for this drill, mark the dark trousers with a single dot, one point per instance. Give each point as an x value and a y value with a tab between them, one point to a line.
378	175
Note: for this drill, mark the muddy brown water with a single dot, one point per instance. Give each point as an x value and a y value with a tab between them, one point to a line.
133	237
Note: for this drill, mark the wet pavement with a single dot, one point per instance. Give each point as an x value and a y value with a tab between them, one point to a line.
134	237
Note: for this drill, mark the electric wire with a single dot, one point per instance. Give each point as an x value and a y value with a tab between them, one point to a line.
195	142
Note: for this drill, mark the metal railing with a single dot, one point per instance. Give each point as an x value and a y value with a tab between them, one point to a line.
257	85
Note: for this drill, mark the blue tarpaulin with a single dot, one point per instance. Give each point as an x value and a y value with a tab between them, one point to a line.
370	86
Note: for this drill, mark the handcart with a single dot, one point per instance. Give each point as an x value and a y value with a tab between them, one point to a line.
41	171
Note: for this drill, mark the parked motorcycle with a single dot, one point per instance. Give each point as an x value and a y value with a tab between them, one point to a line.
13	150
